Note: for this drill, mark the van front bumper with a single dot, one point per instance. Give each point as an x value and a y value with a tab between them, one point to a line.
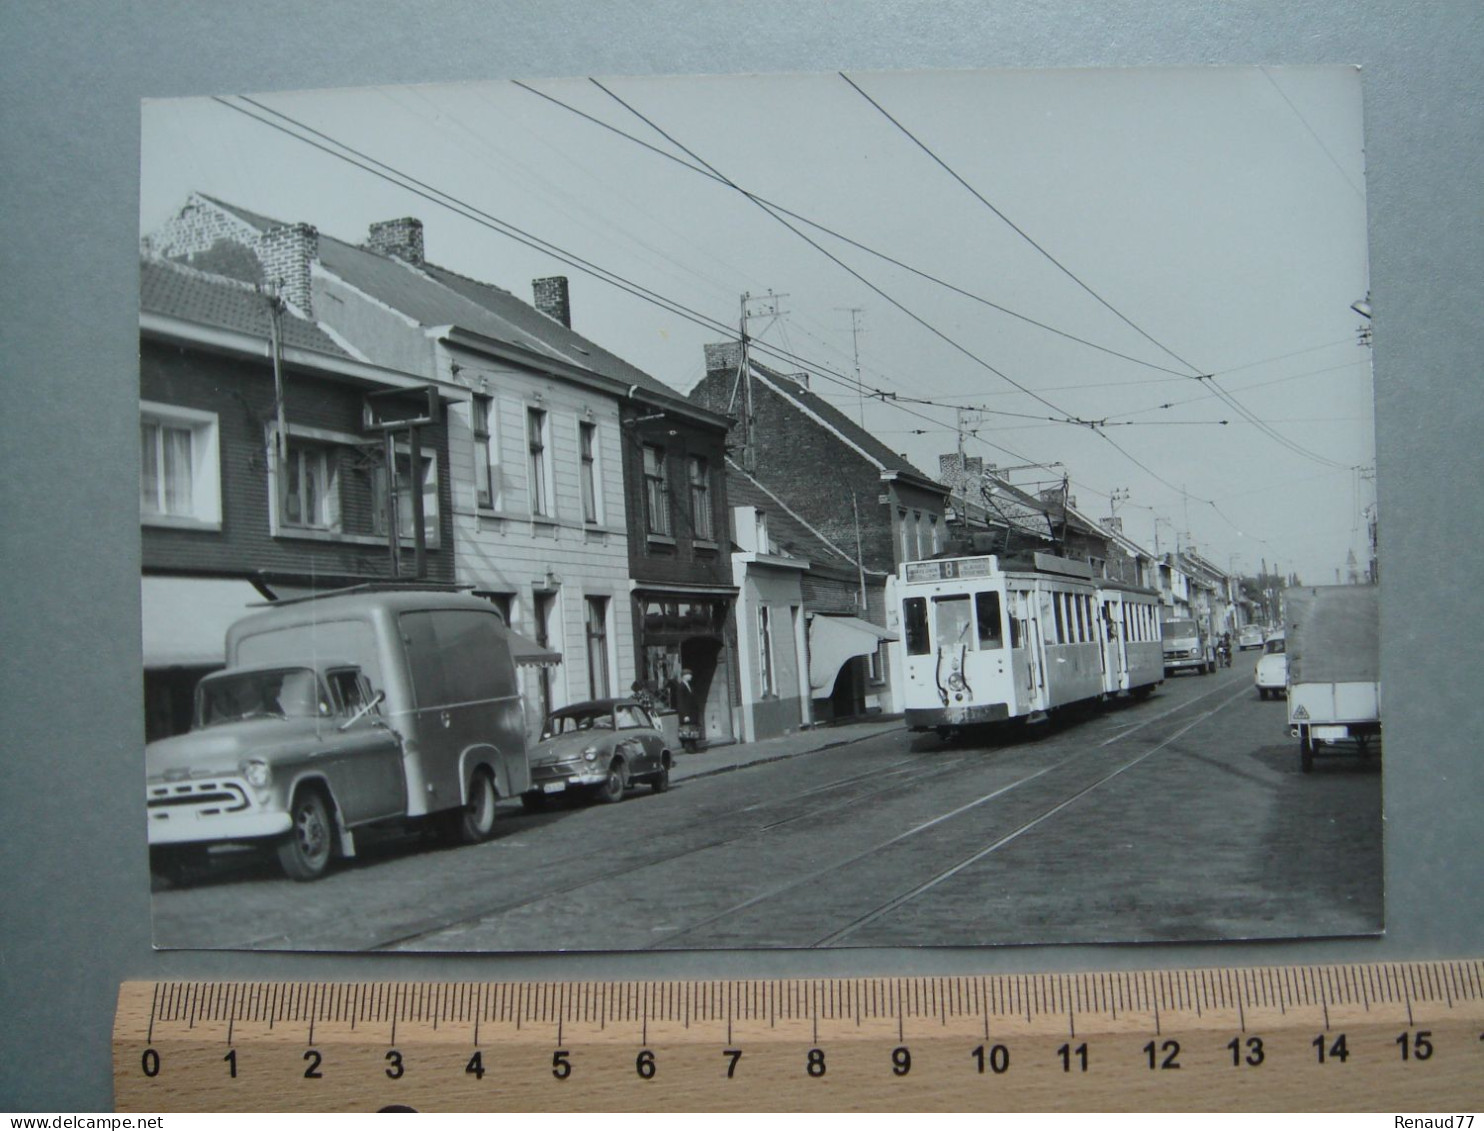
183	827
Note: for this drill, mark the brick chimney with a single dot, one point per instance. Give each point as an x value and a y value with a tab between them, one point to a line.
402	238
286	254
552	298
723	357
960	472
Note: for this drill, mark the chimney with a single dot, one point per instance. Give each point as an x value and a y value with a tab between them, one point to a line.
950	470
401	238
286	254
552	298
960	472
723	357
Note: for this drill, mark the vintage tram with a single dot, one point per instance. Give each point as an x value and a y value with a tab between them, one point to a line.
984	640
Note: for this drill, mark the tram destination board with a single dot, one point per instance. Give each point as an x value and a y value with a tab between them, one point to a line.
1381	1037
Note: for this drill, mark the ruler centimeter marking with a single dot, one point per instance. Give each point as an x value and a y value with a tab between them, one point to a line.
1392	1036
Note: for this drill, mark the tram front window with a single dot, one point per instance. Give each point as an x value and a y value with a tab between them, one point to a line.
987	614
951	621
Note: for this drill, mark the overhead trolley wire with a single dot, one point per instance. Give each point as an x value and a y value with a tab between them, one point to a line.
1016	228
926	325
350	155
710	174
1092	425
1197	373
406	181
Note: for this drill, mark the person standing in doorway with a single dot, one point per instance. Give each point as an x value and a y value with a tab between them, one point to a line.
687	706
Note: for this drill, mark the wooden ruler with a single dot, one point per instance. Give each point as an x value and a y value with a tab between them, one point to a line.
1400	1037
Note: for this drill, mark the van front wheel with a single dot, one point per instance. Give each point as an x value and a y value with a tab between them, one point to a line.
476	820
304	854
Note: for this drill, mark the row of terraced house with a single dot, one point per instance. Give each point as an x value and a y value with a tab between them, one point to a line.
317	414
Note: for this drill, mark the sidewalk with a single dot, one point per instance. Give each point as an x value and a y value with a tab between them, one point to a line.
723	759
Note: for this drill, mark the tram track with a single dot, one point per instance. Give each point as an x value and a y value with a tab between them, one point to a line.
1041	814
621	866
571	873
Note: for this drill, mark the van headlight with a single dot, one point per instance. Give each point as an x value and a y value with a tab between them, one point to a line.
257	772
590	754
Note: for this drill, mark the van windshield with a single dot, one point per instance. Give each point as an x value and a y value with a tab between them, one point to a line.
285	693
1179	628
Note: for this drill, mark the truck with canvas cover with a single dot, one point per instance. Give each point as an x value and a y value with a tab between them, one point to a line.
1334	669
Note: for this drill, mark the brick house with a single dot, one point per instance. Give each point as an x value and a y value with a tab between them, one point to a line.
228	516
846	485
585	495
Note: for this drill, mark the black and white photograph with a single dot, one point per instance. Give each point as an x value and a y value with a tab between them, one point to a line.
844	509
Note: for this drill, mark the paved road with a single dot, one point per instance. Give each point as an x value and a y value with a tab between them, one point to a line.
1184	817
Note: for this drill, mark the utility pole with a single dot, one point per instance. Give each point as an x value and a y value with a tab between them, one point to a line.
747	418
855	345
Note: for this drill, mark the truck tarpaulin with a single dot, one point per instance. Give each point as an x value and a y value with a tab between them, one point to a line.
1333	634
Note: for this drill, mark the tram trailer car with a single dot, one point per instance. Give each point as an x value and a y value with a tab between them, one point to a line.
985	641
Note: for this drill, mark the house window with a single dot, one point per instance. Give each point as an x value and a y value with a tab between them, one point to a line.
504	603
587	443
937	534
427	480
904	535
486	457
597	647
310	488
765	652
700	498
179	467
873	666
764	546
544	610
540	473
656	491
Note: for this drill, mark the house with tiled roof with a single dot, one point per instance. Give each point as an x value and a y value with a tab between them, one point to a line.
588	498
258	477
845	483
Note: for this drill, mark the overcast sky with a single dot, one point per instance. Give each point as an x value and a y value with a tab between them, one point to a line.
1201	230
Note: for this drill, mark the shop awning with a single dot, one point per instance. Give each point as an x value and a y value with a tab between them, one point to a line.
527	653
185	619
833	640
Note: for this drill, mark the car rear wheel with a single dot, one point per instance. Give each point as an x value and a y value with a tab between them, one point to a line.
661	781
304	854
613	786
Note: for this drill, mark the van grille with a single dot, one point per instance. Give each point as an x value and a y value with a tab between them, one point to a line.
207	798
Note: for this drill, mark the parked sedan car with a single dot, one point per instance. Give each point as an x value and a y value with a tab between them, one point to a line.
1272	668
600	748
1250	637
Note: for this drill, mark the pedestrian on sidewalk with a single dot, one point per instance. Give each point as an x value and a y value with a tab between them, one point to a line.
683	698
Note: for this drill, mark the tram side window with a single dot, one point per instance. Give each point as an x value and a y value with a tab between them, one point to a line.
987	614
914	621
1058	603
